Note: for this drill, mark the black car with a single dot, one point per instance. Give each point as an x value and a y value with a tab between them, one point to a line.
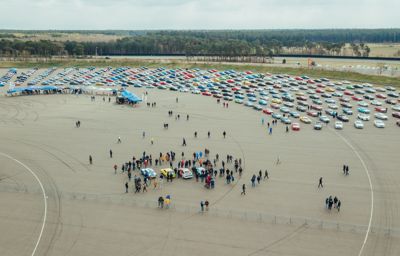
343	118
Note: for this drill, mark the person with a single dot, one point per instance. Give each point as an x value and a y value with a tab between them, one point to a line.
320	183
115	168
270	130
327	203
206	203
184	142
347	170
202	206
262	121
195	134
176	99
224	133
90	159
161	202
144	134
111	153
119	139
152	141
258	179
126	187
155	184
253	180
287	128
243	189
266	174
344	169
339	203
208	134
187	117
144	187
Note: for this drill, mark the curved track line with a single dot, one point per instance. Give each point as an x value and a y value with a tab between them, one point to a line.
370	186
44	198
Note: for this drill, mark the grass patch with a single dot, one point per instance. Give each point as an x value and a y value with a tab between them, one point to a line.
181	63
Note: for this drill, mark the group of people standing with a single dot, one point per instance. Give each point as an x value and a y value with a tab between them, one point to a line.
333	202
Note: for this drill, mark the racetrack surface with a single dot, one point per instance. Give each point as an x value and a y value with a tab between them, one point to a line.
89	213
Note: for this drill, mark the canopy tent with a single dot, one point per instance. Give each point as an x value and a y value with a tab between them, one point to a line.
32	88
130	97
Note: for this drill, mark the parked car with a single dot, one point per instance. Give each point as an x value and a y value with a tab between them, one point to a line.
148	173
338	125
379	124
358	124
185	173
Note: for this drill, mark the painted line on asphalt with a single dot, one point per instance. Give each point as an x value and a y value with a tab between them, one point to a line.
44	198
370	186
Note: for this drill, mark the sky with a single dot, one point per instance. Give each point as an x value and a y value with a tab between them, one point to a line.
198	14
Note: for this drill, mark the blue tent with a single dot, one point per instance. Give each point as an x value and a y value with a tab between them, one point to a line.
130	97
32	88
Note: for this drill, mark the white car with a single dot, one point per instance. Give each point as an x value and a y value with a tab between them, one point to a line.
185	173
358	124
396	107
338	125
363	117
381	116
196	92
379	124
362	104
376	103
332	106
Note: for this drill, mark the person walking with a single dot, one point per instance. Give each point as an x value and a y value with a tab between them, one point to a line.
161	202
253	181
320	183
184	142
119	140
209	134
339	204
344	169
206	203
270	130
224	133
177	100
243	189
111	153
266	174
202	206
126	187
262	121
90	159
258	179
347	170
115	168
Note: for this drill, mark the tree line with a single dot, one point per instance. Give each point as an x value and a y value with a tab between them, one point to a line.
225	44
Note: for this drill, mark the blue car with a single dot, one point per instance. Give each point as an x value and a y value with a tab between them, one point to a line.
252	99
347	111
294	114
276	116
262	102
149	173
363	110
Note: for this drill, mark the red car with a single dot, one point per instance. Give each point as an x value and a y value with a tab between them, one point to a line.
381	96
267	111
319	90
312	113
356	98
381	109
348	93
315	107
206	93
396	114
295	127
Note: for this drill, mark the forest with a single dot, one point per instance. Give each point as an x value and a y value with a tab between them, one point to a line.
224	43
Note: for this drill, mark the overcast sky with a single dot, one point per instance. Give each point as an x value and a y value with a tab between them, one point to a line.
198	14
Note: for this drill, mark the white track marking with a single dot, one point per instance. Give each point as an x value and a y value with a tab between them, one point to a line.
370	186
44	198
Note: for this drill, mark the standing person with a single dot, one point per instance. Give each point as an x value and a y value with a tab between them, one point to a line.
224	133
195	134
258	179
320	183
144	187
206	203
202	206
152	141
270	130
253	181
266	174
119	140
90	159
347	170
161	202
143	134
126	187
111	153
187	117
115	168
184	142
344	169
243	189
262	121
176	99
339	203
208	134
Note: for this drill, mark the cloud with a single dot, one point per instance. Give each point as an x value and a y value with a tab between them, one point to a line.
198	14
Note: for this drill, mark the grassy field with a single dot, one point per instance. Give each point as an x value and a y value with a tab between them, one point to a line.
337	75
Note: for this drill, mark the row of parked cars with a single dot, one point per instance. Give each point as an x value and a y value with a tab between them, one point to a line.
184	173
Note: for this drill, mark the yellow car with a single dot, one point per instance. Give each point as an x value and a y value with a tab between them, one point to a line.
167	171
330	89
305	119
299	94
277	101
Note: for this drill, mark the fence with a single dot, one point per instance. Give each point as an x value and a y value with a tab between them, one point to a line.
261	217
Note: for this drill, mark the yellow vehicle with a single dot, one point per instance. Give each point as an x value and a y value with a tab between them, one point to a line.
276	101
305	119
167	171
299	94
330	89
